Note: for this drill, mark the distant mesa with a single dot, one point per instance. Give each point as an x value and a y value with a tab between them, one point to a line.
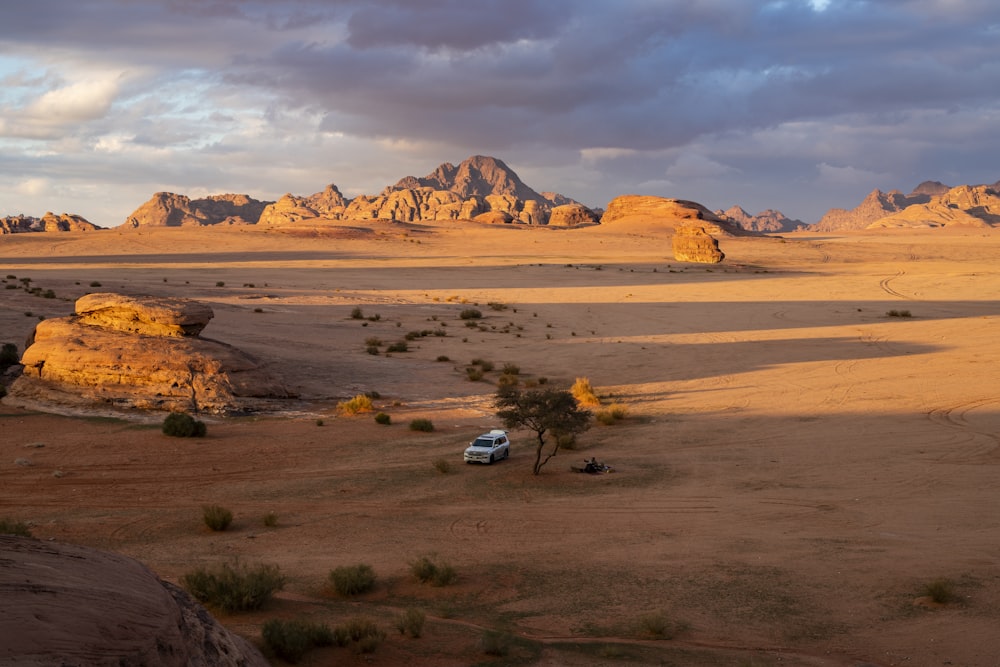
66	604
123	352
50	222
769	221
167	209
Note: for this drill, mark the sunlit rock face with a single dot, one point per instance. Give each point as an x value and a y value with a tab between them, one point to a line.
64	604
139	353
692	243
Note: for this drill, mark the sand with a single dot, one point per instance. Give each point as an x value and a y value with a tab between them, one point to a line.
796	464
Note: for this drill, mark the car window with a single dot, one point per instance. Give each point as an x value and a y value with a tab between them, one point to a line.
501	441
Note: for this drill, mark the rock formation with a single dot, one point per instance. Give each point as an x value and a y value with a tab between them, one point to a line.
692	243
571	215
64	604
122	352
668	213
931	204
166	209
768	221
50	222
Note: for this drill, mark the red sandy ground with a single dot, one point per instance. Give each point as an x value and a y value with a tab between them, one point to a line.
795	467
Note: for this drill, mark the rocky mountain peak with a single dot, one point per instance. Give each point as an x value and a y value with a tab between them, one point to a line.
477	176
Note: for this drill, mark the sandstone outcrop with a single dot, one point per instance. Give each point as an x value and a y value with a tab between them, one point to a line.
50	222
665	213
692	243
571	215
768	221
166	209
64	604
876	205
125	353
931	204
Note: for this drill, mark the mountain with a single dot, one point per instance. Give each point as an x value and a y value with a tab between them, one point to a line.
481	188
765	221
50	222
931	204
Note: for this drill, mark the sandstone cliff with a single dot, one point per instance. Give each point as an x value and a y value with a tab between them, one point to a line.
769	221
122	352
665	213
876	205
71	605
964	206
692	243
50	222
166	209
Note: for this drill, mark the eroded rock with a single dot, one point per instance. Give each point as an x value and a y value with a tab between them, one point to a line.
692	243
63	604
149	316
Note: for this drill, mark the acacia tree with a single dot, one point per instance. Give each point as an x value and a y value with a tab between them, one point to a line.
542	411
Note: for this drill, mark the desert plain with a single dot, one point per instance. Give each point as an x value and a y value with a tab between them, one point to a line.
796	466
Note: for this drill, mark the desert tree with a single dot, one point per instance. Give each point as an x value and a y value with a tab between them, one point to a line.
542	410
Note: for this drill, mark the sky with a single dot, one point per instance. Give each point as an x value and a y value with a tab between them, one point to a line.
796	105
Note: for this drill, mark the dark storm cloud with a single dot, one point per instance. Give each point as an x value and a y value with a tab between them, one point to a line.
690	98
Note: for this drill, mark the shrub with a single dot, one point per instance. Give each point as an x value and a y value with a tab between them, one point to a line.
443	466
8	356
427	571
474	373
383	418
353	579
183	425
443	357
613	413
235	586
216	517
360	628
584	393
470	314
899	313
425	425
485	364
400	346
319	422
220	284
48	294
495	643
373	341
291	640
270	519
511	369
10	527
360	403
940	591
411	622
357	313
657	626
95	283
372	349
507	379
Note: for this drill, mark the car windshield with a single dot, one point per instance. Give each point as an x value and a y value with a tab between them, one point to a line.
483	442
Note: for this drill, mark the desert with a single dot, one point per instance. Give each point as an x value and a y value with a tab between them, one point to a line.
810	438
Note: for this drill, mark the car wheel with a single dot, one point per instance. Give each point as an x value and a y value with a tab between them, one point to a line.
491	458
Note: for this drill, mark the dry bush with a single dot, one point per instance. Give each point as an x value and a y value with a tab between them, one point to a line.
584	393
353	579
216	517
235	587
358	404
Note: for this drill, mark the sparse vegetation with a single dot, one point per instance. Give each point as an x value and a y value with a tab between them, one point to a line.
443	466
10	527
542	411
352	579
358	404
657	626
357	313
511	369
364	631
271	520
495	643
474	373
484	364
470	314
427	570
8	356
183	425
235	586
421	424
899	313
443	357
411	623
291	640
95	283
399	346
584	393
611	414
940	591
220	284
217	518
383	418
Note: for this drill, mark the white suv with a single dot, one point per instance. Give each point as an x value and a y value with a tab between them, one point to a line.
488	447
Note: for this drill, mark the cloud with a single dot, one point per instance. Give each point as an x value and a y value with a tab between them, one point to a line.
797	102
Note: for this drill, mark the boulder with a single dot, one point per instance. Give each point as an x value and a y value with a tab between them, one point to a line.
123	352
692	243
63	604
150	316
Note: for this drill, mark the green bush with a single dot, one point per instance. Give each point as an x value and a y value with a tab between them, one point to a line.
383	418
183	425
411	622
217	518
428	571
291	640
8	356
10	527
235	586
360	629
352	579
470	314
425	425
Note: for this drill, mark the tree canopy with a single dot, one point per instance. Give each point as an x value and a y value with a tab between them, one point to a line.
543	411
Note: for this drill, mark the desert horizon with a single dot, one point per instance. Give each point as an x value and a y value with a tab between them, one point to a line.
796	464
